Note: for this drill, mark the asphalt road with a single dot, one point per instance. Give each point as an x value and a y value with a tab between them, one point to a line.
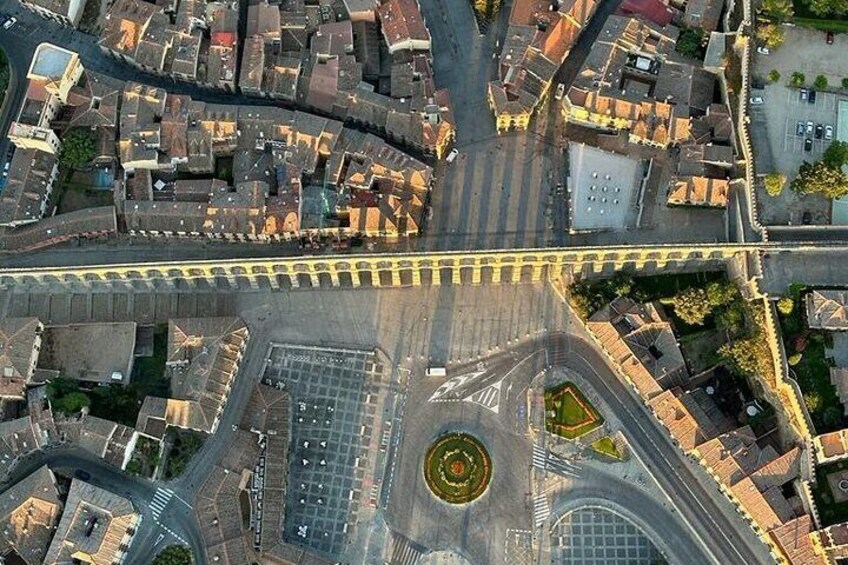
177	516
720	529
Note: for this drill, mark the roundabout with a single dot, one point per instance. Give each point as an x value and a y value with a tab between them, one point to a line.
457	468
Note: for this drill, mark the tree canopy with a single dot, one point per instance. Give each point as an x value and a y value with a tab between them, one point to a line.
829	8
174	555
770	35
820	177
691	305
692	42
836	155
78	148
774	183
778	10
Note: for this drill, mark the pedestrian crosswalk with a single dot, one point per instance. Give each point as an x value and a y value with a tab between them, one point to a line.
541	509
540	457
405	551
160	501
562	467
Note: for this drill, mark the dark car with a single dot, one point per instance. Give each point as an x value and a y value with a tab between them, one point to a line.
806	218
811	97
819	131
82	475
799	128
808	144
829	38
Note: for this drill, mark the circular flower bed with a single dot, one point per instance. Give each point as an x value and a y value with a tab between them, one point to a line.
457	468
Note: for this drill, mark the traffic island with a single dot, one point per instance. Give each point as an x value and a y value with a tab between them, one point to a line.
568	413
457	468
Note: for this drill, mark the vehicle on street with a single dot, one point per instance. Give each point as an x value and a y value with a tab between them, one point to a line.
819	131
8	24
808	144
756	100
452	155
560	90
803	94
828	132
763	50
811	98
829	38
800	128
436	372
810	128
807	218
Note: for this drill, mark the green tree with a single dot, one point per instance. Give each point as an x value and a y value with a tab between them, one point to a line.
691	305
746	356
845	83
774	75
78	148
778	10
732	319
720	293
819	177
774	183
821	82
692	42
65	396
785	305
794	359
829	8
770	35
836	155
832	417
174	555
797	79
813	400
621	284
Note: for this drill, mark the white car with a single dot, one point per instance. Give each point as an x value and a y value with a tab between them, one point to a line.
560	90
763	50
10	22
452	155
756	101
828	132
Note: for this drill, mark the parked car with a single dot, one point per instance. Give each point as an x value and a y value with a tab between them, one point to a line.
763	50
560	90
800	128
808	144
8	24
828	132
829	38
811	98
810	128
819	131
803	94
806	218
756	100
452	155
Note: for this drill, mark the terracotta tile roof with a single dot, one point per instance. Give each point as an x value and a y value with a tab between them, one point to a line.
29	512
20	340
682	425
827	309
402	21
698	191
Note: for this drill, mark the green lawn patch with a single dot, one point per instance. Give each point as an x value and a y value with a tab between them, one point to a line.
605	446
457	468
568	413
812	372
836	26
833	509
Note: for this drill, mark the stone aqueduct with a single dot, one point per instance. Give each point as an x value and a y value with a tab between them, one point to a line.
383	270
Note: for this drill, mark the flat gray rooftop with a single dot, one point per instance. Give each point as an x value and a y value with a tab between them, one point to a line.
603	189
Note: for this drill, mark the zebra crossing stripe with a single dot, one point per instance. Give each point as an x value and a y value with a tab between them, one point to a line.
541	509
160	501
540	457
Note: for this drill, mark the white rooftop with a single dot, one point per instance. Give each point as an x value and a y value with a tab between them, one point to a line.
603	189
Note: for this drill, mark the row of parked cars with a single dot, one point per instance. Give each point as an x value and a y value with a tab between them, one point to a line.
818	130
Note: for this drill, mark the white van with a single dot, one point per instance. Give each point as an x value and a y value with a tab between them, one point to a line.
560	90
452	155
436	372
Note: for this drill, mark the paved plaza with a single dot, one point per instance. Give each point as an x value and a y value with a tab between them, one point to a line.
594	536
334	395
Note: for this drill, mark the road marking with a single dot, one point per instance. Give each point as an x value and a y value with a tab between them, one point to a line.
160	501
541	509
540	457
